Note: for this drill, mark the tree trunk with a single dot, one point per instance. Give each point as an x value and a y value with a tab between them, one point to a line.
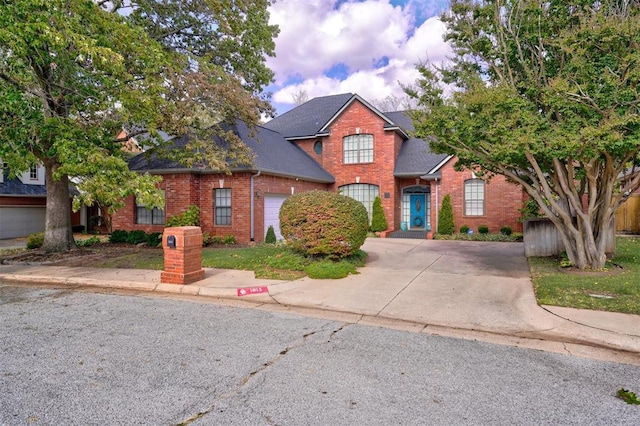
58	236
584	243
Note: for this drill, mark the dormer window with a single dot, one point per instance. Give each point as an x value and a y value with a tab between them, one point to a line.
33	173
357	149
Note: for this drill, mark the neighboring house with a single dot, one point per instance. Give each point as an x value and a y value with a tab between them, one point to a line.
22	203
335	143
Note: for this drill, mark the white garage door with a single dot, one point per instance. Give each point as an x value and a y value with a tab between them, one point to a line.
272	204
21	221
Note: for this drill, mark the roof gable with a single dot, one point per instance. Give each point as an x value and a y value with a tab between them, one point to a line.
308	119
315	117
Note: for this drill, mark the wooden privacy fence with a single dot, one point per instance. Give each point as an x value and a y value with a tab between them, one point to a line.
541	238
628	216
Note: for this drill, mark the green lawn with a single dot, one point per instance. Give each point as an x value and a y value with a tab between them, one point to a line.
615	290
266	260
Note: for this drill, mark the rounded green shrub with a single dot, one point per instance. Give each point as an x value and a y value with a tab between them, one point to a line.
483	229
119	236
464	229
270	238
506	230
136	237
35	241
378	219
321	223
445	217
154	239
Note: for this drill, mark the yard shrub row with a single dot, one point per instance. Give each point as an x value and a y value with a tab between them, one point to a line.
135	237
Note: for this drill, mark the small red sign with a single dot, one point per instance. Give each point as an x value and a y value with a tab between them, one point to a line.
245	291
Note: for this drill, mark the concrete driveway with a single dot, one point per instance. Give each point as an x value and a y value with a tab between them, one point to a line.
460	284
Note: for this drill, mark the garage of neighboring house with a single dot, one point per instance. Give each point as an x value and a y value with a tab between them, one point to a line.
21	221
272	204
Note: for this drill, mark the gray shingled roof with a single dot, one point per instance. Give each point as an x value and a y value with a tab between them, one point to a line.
402	119
16	187
415	157
307	119
274	155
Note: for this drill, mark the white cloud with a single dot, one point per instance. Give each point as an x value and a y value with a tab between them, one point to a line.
317	35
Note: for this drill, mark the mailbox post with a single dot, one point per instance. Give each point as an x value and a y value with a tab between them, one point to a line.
182	255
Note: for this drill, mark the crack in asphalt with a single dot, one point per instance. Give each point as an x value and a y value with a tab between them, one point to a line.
246	379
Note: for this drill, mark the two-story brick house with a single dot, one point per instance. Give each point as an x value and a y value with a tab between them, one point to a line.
334	143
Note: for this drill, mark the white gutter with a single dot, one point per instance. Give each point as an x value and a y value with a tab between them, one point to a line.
252	207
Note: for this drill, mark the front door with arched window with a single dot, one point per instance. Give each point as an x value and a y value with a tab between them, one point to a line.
416	208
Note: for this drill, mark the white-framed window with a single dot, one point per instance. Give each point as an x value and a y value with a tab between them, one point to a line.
147	216
357	149
33	172
222	206
362	192
474	197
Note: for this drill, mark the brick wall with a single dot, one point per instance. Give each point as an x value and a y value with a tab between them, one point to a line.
502	200
182	190
360	119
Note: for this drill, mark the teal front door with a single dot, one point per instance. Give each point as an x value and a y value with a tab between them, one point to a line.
417	211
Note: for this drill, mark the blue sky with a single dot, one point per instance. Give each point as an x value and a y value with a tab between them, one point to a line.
368	47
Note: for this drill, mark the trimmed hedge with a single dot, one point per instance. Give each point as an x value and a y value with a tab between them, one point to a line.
270	238
322	223
445	217
378	218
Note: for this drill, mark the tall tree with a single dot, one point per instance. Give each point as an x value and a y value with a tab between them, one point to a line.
546	94
73	73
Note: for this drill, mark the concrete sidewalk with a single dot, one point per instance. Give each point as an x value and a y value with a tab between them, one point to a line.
457	288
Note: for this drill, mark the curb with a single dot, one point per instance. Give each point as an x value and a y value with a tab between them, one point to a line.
625	347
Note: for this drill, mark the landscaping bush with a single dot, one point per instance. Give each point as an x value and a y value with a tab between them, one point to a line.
88	242
270	238
230	240
154	239
506	230
445	217
464	229
321	223
136	237
216	239
118	236
189	217
35	241
530	208
483	229
378	219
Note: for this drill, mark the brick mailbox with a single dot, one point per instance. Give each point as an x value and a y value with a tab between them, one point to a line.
182	255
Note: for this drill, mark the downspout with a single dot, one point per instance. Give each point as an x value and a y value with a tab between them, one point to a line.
252	207
437	186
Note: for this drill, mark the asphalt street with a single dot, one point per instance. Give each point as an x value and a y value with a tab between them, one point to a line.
81	358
